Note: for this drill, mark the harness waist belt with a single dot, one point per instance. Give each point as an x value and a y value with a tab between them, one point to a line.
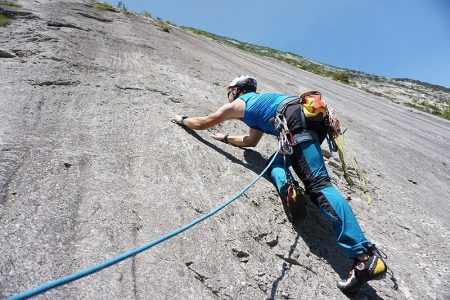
304	136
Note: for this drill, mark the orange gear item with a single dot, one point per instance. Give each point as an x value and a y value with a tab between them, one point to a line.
313	105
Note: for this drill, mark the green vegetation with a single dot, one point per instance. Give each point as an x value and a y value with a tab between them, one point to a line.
342	77
446	113
108	7
4	20
146	14
164	26
432	108
10	3
104	6
287	57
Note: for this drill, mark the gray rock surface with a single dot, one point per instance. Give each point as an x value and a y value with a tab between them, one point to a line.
90	167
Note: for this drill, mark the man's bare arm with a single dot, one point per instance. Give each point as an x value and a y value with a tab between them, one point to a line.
234	110
249	140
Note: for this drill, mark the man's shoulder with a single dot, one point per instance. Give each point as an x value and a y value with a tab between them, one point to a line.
252	94
247	96
233	110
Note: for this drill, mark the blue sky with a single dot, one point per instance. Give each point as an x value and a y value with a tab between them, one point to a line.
392	38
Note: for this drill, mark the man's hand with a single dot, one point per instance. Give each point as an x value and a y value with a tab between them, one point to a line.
178	119
220	137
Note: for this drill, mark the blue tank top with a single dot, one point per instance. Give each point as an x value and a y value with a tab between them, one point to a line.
259	109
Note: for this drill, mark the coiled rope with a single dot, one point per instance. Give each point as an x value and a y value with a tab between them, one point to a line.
80	274
348	152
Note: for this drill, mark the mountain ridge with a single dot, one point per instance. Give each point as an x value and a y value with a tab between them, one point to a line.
427	97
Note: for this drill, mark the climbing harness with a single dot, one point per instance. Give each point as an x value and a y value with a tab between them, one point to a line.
75	276
286	139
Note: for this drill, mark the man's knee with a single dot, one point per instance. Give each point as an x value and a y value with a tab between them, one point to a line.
320	200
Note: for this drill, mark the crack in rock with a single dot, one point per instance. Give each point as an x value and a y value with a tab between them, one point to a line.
95	17
273	242
23	53
402	226
288	259
240	253
295	262
7	54
16	12
269	238
216	290
202	278
243	256
128	88
57	82
158	91
174	100
261	236
59	24
135	88
196	209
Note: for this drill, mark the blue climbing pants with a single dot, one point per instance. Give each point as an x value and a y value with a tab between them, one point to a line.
308	164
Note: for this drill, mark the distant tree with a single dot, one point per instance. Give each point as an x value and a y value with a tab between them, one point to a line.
146	14
121	6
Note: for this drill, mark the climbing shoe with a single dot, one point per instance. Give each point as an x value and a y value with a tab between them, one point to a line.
295	202
363	271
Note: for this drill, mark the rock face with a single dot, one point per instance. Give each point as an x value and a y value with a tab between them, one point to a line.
90	167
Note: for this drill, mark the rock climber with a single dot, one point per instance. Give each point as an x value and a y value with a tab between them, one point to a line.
257	111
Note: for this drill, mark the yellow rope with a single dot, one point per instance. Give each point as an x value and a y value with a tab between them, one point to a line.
340	146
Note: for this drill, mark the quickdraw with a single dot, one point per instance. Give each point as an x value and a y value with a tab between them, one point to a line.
285	139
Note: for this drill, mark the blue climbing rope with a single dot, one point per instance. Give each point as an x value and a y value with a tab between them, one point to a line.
75	276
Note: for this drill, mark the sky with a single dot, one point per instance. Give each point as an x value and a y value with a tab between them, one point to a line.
392	38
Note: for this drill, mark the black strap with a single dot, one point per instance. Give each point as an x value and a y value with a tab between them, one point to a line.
225	139
281	109
302	117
